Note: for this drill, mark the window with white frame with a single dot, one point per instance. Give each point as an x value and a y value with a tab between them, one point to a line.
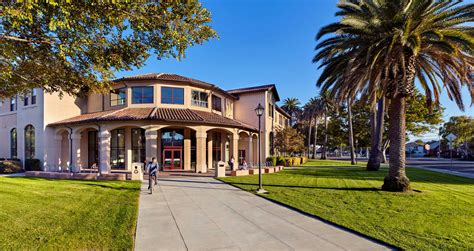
199	98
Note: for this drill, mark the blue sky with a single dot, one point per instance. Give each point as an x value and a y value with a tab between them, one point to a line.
261	42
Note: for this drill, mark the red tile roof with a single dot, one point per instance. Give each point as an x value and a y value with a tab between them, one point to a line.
158	114
270	87
279	109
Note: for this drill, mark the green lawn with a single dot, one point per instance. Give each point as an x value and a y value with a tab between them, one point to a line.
439	215
64	214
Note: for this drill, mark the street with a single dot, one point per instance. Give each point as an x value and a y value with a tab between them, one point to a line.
457	167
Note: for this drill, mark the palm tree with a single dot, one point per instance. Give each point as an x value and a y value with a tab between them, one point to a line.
308	115
377	115
383	45
311	113
351	131
325	104
291	106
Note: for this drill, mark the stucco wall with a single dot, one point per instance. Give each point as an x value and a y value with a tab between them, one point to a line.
56	109
95	102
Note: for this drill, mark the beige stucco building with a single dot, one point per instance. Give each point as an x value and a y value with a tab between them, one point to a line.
185	123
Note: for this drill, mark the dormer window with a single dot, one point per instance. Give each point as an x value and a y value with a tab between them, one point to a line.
199	98
142	95
118	97
216	103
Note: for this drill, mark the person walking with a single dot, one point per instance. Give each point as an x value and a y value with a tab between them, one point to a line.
152	169
232	163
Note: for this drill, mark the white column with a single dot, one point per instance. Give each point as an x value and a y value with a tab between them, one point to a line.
201	152
76	153
235	150
128	148
151	143
104	151
56	153
187	149
209	151
249	154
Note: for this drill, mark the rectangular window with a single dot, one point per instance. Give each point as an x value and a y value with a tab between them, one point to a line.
25	100
92	148
199	98
13	104
118	97
142	95
270	110
216	103
117	149
172	95
33	97
138	145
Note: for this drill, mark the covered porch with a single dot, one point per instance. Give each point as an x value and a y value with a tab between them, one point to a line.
117	147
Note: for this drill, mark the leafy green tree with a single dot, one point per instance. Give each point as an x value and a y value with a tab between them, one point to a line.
462	127
420	119
384	45
73	47
289	141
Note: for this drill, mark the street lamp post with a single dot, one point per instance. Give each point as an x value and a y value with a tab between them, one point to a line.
259	111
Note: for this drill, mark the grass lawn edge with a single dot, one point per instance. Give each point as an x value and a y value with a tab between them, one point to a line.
317	217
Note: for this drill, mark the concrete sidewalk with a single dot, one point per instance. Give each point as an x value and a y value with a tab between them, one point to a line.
200	213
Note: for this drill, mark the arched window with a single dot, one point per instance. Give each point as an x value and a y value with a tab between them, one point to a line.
13	144
29	142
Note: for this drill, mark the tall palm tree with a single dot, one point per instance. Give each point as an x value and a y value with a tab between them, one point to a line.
377	115
311	112
308	116
291	106
383	45
351	131
325	105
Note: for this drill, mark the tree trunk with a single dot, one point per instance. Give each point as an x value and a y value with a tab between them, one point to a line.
384	151
310	127
373	164
325	143
351	132
396	180
315	137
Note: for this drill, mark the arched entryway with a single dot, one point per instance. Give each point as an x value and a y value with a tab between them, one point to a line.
177	148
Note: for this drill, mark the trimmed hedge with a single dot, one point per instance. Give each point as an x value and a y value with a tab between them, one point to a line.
33	165
287	161
10	166
273	160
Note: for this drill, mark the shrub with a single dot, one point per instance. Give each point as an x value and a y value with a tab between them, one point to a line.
273	160
304	160
280	161
10	166
33	165
296	161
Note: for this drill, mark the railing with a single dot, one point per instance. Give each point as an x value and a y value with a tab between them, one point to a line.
199	103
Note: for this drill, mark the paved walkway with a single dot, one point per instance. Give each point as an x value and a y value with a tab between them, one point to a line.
200	213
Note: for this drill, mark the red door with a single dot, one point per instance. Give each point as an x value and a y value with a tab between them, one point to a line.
173	159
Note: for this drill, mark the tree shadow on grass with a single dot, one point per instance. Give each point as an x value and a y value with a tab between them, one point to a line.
113	187
357	173
363	189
